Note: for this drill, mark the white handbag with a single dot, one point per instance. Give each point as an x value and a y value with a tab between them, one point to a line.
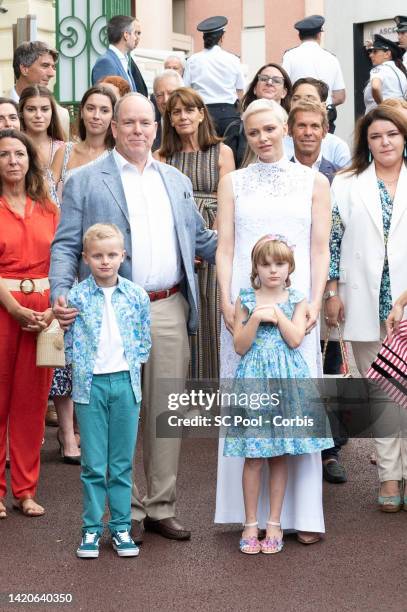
50	347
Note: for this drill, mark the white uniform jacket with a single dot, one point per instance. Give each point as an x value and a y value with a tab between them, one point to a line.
363	249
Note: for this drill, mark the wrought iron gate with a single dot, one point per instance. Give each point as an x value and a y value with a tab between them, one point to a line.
81	37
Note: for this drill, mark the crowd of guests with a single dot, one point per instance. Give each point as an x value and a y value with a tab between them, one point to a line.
114	232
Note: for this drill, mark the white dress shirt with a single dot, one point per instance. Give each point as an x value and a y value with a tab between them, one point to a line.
215	74
156	258
316	164
122	57
310	60
333	149
14	95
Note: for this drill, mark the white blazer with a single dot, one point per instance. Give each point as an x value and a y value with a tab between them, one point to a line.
363	249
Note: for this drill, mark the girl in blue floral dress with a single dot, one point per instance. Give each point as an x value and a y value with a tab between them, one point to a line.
270	324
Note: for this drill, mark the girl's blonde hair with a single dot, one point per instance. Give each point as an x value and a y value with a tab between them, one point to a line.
276	247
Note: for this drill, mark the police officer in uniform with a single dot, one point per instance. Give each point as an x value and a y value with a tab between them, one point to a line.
310	60
401	22
388	77
216	74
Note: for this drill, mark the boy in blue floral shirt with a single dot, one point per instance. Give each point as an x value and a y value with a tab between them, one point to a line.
106	344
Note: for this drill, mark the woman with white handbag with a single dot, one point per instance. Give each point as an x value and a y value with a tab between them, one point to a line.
28	221
368	255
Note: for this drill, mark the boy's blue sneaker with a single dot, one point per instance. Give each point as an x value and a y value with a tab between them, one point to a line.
89	546
124	545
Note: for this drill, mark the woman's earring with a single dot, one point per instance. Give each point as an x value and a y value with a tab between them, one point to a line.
405	150
369	157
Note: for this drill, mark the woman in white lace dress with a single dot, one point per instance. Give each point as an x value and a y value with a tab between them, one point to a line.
273	195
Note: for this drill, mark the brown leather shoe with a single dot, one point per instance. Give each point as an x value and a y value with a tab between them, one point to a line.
137	531
168	528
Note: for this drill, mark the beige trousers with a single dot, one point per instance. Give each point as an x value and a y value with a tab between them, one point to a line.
391	452
169	359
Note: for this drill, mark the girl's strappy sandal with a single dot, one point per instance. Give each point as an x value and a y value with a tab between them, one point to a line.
251	545
269	546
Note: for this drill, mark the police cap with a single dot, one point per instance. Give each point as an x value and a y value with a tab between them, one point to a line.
401	21
385	44
212	24
310	25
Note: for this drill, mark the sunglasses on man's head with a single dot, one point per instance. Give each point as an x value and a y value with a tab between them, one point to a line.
275	80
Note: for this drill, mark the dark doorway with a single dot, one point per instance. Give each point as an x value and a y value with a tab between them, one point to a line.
362	68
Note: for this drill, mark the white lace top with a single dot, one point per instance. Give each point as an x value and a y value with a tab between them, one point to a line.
271	198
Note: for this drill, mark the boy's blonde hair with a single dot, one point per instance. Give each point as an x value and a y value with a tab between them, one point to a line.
276	247
100	231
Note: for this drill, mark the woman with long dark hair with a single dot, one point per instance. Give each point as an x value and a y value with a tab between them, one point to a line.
368	266
28	221
271	82
39	120
190	143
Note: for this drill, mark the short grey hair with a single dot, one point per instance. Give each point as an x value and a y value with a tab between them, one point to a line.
261	105
166	74
176	57
132	94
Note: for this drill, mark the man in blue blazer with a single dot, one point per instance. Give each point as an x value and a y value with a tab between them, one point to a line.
123	34
153	206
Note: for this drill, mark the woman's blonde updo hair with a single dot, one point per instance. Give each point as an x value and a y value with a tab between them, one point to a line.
273	246
261	105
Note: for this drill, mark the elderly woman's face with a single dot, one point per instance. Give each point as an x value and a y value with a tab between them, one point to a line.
264	133
186	119
14	160
270	85
385	142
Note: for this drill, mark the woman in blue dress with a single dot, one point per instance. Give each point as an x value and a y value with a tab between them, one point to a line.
270	324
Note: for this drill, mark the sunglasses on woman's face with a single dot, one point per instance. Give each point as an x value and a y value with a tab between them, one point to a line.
274	80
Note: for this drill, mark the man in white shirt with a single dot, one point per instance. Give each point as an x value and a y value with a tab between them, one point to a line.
152	205
310	60
308	125
334	149
164	84
401	21
123	34
34	63
216	74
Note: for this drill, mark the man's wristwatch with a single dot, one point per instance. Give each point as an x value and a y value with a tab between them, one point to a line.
329	294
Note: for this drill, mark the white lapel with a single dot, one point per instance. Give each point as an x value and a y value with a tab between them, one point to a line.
400	199
370	196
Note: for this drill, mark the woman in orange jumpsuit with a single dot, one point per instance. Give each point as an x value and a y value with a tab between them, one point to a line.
28	221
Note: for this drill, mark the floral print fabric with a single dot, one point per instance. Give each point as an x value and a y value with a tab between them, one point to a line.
337	231
271	362
131	305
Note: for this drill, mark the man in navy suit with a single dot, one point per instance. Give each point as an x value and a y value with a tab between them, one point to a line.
308	125
123	33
